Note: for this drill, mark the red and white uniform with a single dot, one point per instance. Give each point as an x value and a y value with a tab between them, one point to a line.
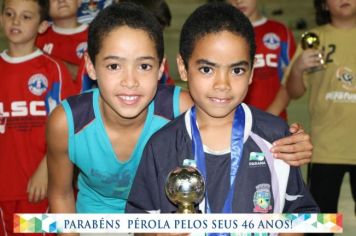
30	87
68	45
275	47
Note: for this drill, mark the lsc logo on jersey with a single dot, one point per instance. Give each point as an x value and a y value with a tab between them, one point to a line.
38	84
271	41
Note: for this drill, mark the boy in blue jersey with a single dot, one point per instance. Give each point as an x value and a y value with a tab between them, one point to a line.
228	140
103	131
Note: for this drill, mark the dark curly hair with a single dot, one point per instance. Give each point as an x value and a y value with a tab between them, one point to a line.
213	18
124	14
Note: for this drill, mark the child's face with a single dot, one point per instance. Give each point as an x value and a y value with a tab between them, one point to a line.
127	70
62	9
248	7
342	8
219	72
21	21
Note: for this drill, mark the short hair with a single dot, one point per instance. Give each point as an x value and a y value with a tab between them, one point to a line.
164	14
159	8
322	15
44	8
124	14
214	18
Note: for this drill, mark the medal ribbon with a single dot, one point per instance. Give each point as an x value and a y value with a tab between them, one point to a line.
237	136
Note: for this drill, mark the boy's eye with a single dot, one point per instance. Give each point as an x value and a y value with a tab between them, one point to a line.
238	71
8	14
145	66
25	17
113	67
205	70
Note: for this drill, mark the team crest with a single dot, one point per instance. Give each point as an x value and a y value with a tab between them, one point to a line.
346	77
38	84
271	41
81	48
262	198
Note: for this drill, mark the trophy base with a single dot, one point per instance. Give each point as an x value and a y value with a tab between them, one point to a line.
186	209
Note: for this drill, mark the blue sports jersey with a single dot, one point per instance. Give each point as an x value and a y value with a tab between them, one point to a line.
104	182
263	184
90	8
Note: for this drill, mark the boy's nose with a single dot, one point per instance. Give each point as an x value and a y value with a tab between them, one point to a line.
130	80
16	20
222	81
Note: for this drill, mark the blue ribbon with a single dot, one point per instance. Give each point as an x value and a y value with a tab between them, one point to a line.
237	137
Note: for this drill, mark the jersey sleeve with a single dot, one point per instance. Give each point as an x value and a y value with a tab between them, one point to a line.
167	101
298	198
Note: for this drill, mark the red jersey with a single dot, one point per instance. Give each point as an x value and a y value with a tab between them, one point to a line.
166	77
30	87
68	45
275	47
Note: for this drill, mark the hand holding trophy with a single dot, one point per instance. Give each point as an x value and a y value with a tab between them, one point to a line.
310	40
185	187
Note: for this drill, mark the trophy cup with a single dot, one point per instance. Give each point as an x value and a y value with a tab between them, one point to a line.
310	40
185	187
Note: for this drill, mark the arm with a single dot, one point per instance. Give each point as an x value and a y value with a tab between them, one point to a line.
60	168
296	150
307	59
280	102
37	184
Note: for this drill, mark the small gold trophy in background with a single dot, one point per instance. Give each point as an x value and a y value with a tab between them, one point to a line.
310	40
185	187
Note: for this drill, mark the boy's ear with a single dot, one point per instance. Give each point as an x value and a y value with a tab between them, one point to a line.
161	68
43	27
181	68
89	67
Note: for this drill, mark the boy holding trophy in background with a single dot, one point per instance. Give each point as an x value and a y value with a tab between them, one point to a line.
330	80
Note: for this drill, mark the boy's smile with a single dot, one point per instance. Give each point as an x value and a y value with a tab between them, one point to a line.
127	70
219	72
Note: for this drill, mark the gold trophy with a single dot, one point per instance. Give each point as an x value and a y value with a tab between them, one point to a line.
310	40
185	187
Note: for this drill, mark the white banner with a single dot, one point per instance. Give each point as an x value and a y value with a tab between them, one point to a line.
177	223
